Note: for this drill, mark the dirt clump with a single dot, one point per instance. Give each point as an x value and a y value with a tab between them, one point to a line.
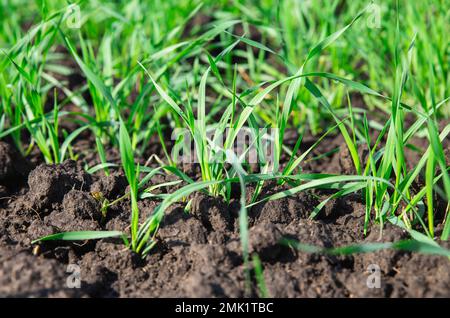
49	183
23	275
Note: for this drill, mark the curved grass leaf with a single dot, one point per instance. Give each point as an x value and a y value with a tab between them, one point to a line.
404	245
78	236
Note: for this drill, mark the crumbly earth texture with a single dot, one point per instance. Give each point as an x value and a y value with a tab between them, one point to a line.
198	254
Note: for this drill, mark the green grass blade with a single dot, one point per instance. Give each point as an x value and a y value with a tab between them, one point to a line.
78	236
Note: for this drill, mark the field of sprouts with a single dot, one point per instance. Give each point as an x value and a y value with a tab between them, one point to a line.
227	148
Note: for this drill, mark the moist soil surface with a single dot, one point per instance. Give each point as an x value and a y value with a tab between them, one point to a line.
198	254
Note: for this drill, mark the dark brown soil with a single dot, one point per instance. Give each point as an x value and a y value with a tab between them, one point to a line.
198	254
